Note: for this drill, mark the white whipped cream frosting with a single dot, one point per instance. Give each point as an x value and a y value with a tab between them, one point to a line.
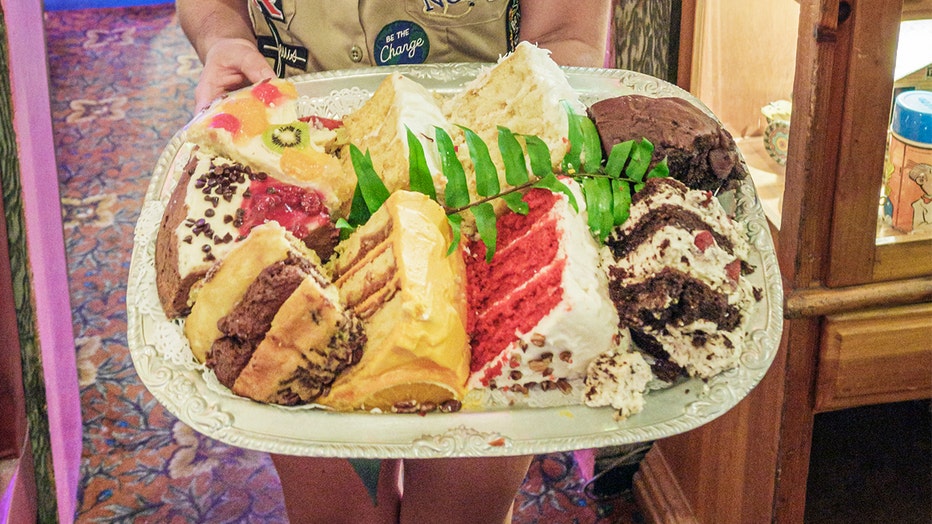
618	379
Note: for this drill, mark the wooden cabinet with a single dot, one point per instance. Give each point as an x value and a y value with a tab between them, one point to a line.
875	356
858	310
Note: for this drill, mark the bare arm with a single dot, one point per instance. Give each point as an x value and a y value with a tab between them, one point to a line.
221	33
575	32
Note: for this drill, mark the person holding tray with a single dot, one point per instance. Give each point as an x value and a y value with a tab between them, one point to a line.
241	42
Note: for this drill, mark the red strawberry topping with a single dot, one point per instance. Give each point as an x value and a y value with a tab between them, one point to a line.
703	240
733	270
267	93
321	122
226	121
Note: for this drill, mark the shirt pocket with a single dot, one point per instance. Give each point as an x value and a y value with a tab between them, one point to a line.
447	14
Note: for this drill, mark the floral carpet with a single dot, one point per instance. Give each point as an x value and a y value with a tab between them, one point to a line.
122	82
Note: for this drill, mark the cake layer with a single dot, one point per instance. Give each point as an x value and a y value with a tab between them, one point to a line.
287	338
699	151
618	380
258	127
523	92
675	277
310	341
227	282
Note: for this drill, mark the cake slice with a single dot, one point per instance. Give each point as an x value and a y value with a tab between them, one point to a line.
227	281
287	338
677	279
215	204
380	127
699	151
395	274
524	92
259	127
540	310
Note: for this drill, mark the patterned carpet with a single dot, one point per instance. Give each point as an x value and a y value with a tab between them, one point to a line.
122	83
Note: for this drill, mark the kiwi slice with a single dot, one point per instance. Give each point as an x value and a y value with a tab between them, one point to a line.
296	135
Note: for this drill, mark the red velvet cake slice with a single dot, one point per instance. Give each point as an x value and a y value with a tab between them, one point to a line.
540	310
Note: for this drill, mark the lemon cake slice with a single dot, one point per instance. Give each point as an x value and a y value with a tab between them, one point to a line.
396	275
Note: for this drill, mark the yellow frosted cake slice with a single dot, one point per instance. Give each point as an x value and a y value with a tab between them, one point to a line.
395	273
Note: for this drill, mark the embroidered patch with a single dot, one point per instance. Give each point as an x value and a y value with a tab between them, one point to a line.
283	54
401	42
272	9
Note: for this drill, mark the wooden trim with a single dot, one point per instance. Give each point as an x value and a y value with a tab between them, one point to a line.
13	406
658	494
684	59
868	88
902	260
794	435
806	212
917	9
821	301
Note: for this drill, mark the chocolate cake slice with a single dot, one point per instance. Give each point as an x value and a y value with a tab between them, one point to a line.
676	280
699	151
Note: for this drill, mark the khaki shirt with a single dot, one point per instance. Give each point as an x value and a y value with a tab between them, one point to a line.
340	34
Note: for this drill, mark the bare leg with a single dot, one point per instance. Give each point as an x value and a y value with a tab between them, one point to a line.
328	490
461	490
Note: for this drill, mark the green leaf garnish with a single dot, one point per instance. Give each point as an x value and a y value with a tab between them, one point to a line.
372	188
598	193
607	189
553	184
591	145
641	154
419	178
359	213
661	170
516	203
571	161
456	222
513	157
617	158
485	226
486	175
456	193
621	201
344	227
539	155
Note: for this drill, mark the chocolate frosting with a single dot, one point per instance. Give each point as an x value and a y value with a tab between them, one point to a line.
699	151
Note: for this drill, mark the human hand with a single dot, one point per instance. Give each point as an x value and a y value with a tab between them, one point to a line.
230	63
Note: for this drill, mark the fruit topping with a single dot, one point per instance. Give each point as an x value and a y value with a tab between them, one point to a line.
294	135
297	209
226	121
272	93
321	122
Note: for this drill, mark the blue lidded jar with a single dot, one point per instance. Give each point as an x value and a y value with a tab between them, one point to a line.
910	154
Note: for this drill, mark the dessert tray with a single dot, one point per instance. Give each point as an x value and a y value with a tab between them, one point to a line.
165	365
